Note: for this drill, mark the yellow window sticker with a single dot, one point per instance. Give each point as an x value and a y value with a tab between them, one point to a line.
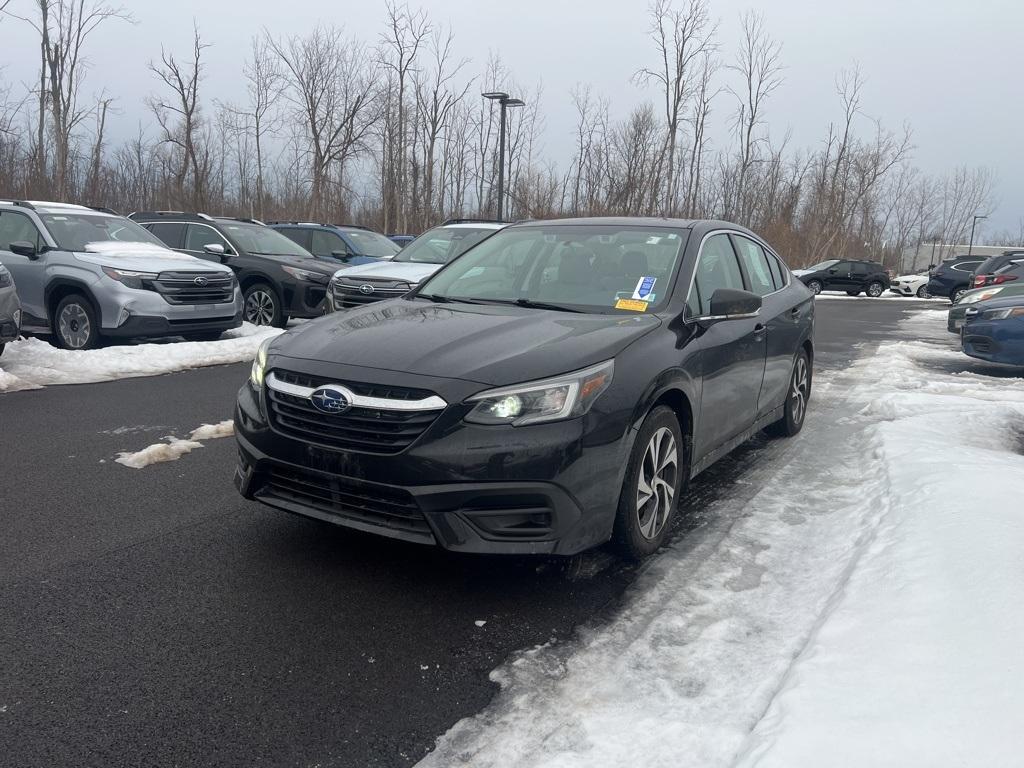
633	305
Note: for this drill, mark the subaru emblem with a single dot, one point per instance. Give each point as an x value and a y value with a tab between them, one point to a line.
330	400
200	281
366	288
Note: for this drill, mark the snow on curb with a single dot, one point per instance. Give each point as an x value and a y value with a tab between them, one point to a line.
862	608
33	363
175	448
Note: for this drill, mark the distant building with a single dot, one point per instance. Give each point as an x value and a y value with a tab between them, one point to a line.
926	254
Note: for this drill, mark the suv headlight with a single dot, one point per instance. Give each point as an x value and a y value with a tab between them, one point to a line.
560	397
306	275
128	278
259	365
1002	314
5	278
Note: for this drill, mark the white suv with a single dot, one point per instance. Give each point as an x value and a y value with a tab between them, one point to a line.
366	283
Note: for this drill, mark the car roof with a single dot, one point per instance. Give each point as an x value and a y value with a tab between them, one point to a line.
472	225
46	206
623	221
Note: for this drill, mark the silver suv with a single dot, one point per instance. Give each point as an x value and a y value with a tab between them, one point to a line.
366	283
83	273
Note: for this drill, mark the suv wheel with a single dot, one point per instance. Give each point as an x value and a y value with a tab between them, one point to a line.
74	323
815	286
922	292
875	289
654	480
957	293
262	306
2	348
799	395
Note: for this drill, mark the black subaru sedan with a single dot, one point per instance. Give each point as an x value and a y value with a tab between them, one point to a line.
554	387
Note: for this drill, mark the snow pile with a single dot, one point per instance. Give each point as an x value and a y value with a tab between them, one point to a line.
33	363
859	607
175	448
127	248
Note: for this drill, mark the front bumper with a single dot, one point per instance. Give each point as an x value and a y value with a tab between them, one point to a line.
10	315
124	311
902	290
997	341
466	488
304	299
137	326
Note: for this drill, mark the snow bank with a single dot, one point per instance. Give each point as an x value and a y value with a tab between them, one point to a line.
33	363
859	607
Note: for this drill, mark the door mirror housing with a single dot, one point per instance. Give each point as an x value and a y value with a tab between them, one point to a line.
732	304
215	249
341	255
24	248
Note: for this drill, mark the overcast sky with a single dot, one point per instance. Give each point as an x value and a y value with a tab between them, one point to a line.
950	68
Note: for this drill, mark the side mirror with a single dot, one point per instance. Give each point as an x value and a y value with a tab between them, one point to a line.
341	255
24	248
731	304
833	271
216	249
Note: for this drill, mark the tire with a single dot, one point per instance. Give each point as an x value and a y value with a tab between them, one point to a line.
262	306
922	292
2	348
954	297
797	398
875	289
815	286
74	323
853	293
202	335
642	526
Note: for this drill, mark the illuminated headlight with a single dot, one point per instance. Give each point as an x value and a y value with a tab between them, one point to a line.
129	278
1002	314
561	397
306	275
259	365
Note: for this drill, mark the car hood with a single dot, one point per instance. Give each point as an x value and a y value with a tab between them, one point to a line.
911	278
414	272
144	257
799	272
489	344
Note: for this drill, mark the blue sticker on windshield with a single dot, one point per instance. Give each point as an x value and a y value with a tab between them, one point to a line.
644	288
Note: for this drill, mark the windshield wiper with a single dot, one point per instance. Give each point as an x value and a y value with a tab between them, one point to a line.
544	305
434	297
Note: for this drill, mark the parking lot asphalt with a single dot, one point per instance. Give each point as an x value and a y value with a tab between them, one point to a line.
153	617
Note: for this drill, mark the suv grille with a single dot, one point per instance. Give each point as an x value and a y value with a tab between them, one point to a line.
183	288
354	291
360	429
374	504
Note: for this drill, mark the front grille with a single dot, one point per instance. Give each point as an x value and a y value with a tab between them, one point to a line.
375	504
181	287
350	292
358	429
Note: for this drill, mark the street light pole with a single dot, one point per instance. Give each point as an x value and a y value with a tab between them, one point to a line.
974	221
505	101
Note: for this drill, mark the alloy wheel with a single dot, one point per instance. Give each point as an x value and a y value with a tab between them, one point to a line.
798	392
259	308
656	482
875	290
815	287
74	326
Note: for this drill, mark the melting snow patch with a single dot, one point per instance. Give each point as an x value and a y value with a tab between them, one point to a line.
32	363
210	431
172	450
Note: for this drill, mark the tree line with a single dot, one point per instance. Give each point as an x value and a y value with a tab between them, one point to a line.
392	133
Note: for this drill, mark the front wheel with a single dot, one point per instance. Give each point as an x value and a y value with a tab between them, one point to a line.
875	289
655	478
262	307
815	286
922	292
74	323
797	398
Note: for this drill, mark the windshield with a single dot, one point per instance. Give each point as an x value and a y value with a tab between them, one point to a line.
597	269
74	231
262	240
371	243
823	265
442	244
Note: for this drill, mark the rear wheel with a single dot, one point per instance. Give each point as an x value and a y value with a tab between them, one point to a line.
875	289
957	294
262	306
815	286
655	478
922	292
74	323
799	395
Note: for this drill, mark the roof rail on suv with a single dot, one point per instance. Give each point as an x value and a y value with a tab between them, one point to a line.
473	221
19	203
175	214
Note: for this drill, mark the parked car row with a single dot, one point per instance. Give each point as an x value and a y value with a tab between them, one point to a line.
990	322
80	274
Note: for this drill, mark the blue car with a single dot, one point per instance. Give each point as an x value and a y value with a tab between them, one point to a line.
345	244
402	240
994	331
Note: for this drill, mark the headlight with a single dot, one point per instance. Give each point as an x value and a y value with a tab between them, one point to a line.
5	278
561	397
1002	314
129	278
259	365
305	274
